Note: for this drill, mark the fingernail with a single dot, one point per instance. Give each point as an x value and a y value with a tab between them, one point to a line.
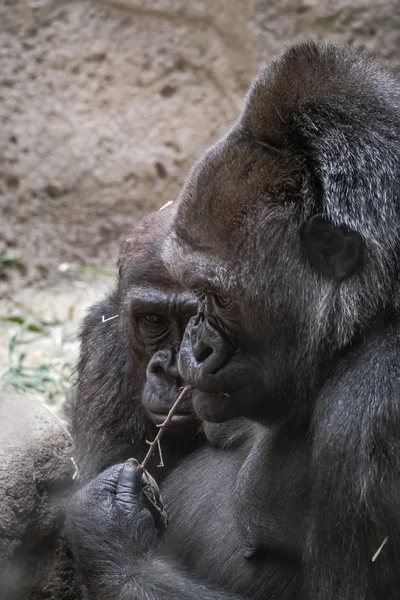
132	463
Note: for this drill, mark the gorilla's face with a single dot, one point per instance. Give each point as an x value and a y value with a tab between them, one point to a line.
273	276
237	247
159	317
155	311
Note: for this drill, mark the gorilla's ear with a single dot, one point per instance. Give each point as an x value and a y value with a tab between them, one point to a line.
334	251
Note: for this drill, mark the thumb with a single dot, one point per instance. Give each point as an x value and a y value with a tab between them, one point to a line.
129	487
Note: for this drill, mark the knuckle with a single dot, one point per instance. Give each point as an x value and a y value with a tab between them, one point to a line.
126	498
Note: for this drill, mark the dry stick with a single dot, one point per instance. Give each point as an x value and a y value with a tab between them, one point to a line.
160	454
156	441
377	553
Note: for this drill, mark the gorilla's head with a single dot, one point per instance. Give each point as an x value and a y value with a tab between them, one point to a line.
287	230
155	311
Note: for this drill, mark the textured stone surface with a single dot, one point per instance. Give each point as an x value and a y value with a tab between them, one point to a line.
105	104
371	24
35	483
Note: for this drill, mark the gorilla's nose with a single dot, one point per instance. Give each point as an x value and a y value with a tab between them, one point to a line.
210	347
163	364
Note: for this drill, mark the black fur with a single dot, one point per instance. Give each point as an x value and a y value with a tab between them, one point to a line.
306	345
116	386
318	142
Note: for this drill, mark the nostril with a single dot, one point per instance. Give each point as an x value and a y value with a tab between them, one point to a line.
163	365
156	369
201	349
216	359
203	354
210	348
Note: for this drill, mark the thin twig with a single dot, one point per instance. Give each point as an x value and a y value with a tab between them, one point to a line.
76	472
377	553
103	320
166	204
163	426
160	454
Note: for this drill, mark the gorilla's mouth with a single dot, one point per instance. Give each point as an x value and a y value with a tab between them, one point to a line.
181	418
218	407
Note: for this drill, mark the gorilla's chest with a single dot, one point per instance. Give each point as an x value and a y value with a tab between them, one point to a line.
226	505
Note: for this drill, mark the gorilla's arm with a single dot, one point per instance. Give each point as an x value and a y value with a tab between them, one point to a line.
117	546
356	462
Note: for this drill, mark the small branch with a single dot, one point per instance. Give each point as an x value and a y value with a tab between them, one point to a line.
166	204
377	553
76	472
160	454
156	442
103	320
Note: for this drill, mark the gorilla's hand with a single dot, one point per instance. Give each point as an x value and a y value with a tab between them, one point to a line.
120	510
136	492
154	500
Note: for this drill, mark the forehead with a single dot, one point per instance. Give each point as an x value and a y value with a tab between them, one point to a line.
146	275
193	268
234	180
158	295
230	197
144	279
149	287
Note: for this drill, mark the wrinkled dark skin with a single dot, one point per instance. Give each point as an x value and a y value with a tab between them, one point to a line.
117	494
127	373
288	232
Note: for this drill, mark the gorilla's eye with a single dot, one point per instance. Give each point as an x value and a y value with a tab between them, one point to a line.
155	325
154	319
222	301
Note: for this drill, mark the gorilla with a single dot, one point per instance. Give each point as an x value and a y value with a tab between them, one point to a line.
287	230
127	376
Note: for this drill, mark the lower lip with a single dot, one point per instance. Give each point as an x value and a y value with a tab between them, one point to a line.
159	418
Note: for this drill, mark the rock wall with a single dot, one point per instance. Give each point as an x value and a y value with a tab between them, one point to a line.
105	104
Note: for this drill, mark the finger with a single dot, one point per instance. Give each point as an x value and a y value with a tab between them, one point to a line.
104	484
108	480
129	488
